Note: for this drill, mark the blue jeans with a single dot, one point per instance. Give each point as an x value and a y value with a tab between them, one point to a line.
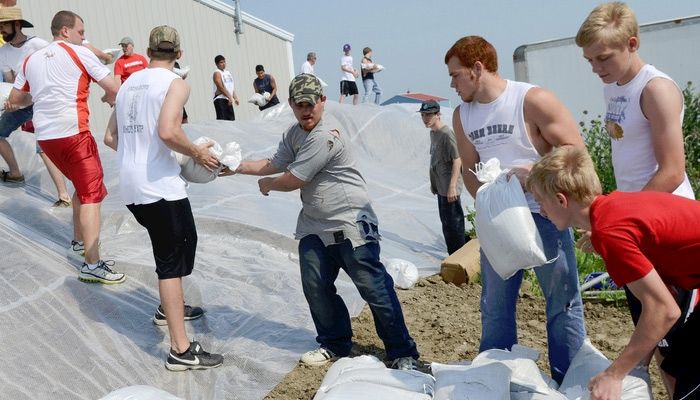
371	86
452	218
559	282
320	266
10	121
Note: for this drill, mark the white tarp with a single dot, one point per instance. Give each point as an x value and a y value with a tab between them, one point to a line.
63	339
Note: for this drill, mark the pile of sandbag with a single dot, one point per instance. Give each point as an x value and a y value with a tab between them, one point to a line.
366	377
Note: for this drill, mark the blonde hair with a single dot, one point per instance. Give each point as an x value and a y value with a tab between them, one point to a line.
611	23
567	170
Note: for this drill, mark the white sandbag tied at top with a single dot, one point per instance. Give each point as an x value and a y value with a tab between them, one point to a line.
404	273
366	377
504	224
229	156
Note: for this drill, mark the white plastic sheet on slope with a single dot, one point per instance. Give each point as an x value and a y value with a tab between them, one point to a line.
63	339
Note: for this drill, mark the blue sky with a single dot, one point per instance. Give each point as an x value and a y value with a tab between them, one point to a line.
410	37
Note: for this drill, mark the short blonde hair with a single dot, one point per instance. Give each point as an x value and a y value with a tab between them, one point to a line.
567	170
611	23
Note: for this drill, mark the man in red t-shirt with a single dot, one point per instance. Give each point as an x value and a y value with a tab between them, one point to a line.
649	241
129	62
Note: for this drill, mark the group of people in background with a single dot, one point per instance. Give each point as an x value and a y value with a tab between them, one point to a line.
648	240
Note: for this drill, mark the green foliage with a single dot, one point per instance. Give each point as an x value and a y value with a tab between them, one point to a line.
470	215
691	136
597	141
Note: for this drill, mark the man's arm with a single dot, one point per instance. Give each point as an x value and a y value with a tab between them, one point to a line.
286	182
662	104
659	313
17	99
551	119
170	127
467	154
454	179
8	76
273	83
257	167
111	133
104	57
111	87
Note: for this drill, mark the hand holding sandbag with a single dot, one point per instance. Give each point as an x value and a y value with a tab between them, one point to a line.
210	162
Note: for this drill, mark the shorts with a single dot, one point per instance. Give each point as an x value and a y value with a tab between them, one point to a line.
224	110
10	121
686	299
78	160
682	357
348	88
170	226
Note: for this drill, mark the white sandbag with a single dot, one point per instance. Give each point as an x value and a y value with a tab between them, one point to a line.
348	374
140	392
588	363
505	227
114	52
259	99
404	273
364	391
553	395
472	382
196	173
182	72
525	374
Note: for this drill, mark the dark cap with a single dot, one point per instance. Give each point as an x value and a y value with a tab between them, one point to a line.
346	48
305	88
429	107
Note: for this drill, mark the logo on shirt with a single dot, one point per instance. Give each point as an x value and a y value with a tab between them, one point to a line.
499	130
614	115
134	95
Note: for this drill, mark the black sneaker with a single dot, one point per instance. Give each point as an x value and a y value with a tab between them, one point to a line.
194	358
190	314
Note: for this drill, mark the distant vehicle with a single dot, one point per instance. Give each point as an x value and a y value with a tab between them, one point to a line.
673	46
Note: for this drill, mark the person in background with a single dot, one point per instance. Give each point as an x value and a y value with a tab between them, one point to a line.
649	242
265	83
348	86
369	68
224	94
517	123
129	62
445	175
644	117
160	205
315	157
308	66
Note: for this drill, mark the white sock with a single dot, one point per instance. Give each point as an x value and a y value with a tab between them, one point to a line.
91	266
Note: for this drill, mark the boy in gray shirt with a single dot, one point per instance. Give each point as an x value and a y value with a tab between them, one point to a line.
445	175
336	228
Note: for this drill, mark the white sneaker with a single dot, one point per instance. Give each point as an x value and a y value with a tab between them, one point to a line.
101	274
405	364
76	250
318	357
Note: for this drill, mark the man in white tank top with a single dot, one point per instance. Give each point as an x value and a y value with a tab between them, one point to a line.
145	129
644	118
517	123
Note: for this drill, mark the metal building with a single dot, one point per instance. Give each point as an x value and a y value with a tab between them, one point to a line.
207	28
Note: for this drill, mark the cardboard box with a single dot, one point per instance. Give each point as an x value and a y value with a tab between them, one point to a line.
462	266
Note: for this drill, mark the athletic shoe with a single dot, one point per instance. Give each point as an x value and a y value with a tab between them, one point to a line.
5	176
405	364
190	314
101	274
76	250
318	357
194	358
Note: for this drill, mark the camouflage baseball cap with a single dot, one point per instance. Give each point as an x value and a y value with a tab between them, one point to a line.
305	88
164	38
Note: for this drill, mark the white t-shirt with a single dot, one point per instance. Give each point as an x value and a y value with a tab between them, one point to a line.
307	68
346	61
227	80
11	57
148	170
634	161
58	77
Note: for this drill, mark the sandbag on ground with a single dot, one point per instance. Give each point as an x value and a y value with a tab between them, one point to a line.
489	381
463	265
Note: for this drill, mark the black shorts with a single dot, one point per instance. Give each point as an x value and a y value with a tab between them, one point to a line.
170	226
682	357
348	88
686	299
224	110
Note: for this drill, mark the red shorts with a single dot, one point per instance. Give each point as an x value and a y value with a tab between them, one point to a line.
78	159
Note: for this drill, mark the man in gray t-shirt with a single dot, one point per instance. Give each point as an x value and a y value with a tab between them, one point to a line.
445	175
336	228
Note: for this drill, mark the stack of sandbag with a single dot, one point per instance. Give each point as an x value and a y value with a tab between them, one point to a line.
366	377
503	222
588	363
229	156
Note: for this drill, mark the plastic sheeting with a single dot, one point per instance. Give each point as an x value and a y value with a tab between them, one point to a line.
63	339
